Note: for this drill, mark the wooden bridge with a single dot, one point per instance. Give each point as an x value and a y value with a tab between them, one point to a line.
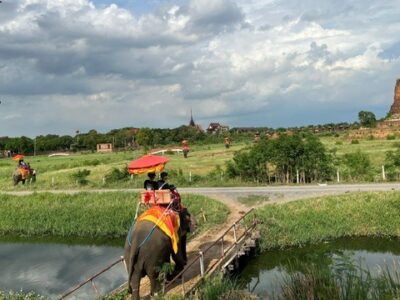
225	253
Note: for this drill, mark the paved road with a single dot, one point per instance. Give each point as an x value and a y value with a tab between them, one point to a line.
275	193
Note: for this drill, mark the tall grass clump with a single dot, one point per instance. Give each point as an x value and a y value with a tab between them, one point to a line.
80	176
116	175
324	218
349	281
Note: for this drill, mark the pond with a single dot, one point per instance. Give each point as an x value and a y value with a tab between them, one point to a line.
264	275
52	267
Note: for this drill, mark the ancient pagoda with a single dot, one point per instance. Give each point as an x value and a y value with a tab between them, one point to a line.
394	112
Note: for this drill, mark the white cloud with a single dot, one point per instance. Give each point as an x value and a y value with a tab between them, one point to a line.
271	63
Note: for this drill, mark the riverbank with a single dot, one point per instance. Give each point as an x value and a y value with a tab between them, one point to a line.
88	215
325	218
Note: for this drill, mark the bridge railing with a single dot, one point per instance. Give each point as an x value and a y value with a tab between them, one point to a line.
224	249
91	280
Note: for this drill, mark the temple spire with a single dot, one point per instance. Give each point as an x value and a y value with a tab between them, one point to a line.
191	123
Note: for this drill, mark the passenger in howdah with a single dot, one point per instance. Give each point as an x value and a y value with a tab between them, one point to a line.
151	184
162	183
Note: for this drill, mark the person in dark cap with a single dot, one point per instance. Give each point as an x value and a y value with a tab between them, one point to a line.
162	183
151	184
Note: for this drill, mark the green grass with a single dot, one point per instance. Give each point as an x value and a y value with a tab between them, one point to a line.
349	282
318	219
55	172
376	149
89	215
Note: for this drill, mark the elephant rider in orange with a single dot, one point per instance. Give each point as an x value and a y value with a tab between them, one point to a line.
23	168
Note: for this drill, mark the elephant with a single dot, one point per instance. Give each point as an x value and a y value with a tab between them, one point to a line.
147	248
19	176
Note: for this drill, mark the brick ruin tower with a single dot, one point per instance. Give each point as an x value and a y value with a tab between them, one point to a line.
394	112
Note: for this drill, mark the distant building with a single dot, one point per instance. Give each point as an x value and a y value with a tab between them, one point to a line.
215	128
193	124
104	147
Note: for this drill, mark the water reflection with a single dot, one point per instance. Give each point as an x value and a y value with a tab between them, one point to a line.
265	274
51	269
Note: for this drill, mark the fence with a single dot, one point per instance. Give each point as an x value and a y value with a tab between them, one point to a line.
91	280
224	250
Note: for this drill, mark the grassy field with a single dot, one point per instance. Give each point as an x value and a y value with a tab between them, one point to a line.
376	149
55	172
319	219
87	215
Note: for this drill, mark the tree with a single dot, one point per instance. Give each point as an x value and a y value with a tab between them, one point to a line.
282	159
145	137
367	119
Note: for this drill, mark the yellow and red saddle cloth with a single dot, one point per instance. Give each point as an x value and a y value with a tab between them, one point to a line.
24	172
165	219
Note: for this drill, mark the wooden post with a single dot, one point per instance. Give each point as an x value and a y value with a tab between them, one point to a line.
383	173
338	175
201	264
297	176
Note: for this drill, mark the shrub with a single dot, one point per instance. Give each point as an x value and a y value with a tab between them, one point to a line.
80	176
355	142
117	175
391	137
338	143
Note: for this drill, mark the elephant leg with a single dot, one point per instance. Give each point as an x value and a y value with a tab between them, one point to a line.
154	284
135	285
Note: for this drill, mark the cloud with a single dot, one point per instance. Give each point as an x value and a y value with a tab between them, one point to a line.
96	65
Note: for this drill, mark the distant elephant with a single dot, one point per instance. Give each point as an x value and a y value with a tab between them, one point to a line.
146	250
23	175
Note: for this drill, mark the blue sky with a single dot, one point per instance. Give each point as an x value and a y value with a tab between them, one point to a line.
80	64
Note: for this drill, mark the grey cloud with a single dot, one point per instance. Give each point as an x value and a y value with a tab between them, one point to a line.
215	16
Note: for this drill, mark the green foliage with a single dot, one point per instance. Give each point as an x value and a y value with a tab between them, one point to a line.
357	166
280	159
391	137
392	163
116	175
80	176
354	142
367	119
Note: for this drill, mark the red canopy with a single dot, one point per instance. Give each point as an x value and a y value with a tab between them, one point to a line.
18	157
147	163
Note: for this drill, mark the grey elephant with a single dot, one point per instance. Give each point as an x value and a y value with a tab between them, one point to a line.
19	176
147	248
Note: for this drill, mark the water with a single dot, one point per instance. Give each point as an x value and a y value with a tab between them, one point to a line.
50	268
264	274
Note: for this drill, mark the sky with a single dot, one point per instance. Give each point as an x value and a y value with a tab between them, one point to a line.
68	65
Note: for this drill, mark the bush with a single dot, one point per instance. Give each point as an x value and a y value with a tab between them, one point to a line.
355	142
338	143
116	175
80	176
391	137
